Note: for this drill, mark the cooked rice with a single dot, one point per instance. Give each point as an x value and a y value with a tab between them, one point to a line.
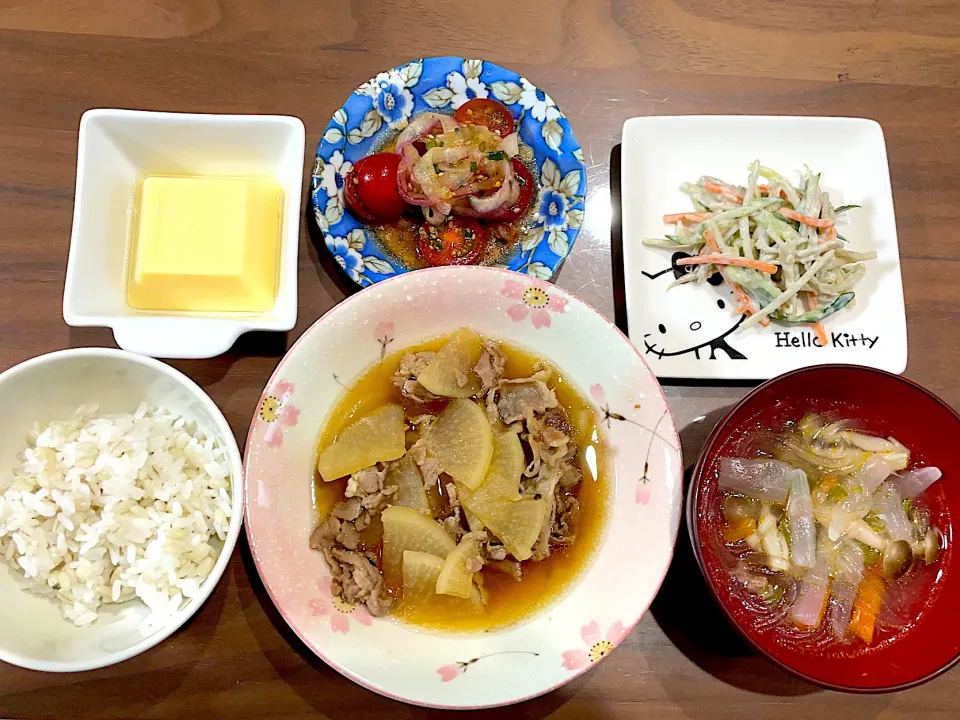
106	508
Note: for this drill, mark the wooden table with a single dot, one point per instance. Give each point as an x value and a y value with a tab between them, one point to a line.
897	61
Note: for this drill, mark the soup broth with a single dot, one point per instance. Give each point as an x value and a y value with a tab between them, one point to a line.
769	597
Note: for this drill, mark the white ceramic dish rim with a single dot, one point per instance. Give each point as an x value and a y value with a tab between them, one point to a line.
343	307
230	541
220	329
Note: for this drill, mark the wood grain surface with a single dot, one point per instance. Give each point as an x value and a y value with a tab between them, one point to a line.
603	61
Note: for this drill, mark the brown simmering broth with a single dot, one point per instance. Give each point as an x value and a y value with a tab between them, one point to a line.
542	582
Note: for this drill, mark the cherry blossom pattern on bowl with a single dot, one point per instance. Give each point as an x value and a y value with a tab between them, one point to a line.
276	411
504	666
380	107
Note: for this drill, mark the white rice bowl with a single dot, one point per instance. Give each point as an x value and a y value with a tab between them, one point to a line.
105	508
117	520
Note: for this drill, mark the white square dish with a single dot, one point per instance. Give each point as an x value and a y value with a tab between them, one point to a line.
691	331
117	149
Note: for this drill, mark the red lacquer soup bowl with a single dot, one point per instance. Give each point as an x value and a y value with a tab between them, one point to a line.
885	405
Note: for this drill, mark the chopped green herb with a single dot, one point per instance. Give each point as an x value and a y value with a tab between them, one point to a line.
870	555
838	493
874	523
907	505
784	527
772	594
844	208
499	155
473	166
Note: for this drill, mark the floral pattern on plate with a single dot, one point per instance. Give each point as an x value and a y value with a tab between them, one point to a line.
535	300
276	412
383	104
326	604
596	647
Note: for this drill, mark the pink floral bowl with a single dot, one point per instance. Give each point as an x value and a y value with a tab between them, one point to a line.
466	670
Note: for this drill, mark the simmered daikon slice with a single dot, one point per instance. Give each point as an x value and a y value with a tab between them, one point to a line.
456	577
377	437
407	529
462	440
405	476
450	373
517	523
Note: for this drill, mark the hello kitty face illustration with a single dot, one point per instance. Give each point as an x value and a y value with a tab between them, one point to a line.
705	326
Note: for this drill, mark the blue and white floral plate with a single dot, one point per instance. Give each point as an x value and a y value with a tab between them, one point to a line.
384	104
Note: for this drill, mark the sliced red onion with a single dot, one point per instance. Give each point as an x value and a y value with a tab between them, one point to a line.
761	479
409	156
433	216
412	194
406	185
913	482
511	145
888	506
803	530
504	197
425	175
506	194
448	123
438	155
419	126
455	178
807	610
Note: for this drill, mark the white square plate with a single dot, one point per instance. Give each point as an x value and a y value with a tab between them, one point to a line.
117	149
684	332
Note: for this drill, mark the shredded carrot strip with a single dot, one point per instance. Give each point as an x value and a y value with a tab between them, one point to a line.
744	304
810	303
806	219
728	192
863	620
829	236
821	334
729	260
763	189
711	241
673	218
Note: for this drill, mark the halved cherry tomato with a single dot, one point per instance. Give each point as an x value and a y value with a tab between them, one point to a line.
458	241
371	188
486	112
